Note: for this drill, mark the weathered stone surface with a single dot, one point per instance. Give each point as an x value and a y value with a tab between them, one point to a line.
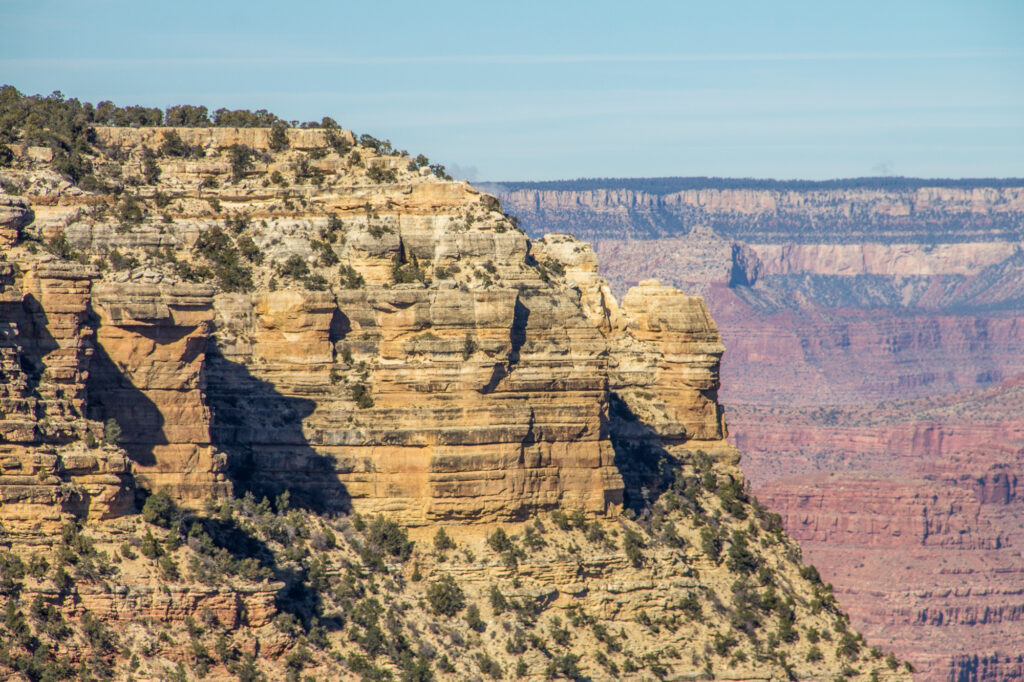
14	215
147	375
45	355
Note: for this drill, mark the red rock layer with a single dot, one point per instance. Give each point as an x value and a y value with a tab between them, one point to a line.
918	524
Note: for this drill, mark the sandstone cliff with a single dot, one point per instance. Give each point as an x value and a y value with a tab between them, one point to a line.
222	317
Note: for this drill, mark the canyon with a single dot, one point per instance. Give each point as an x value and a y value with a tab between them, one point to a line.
875	336
284	403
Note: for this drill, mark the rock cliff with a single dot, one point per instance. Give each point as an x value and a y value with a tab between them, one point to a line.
348	395
872	380
886	210
919	496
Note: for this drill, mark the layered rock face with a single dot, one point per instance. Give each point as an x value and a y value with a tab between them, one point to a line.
148	376
477	390
875	348
897	210
351	339
914	511
466	398
46	468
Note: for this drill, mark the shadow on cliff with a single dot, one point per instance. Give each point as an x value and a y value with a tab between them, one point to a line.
261	432
516	337
34	339
226	547
646	467
113	395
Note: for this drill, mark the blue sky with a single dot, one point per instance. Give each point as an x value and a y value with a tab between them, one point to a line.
544	90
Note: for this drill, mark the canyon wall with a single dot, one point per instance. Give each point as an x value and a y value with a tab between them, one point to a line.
875	341
246	381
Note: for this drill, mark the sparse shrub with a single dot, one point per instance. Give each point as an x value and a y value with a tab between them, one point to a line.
327	255
741	559
445	596
632	544
390	537
241	158
168	568
532	537
499	604
565	665
349	277
442	541
848	646
474	620
174	146
711	543
187	116
811	574
129	211
59	246
150	547
690	605
488	666
361	395
499	541
159	509
722	644
559	518
150	170
111	432
62	579
469	346
406	273
295	267
99	636
278	137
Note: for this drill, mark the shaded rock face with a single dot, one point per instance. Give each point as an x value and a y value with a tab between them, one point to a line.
45	356
472	417
147	374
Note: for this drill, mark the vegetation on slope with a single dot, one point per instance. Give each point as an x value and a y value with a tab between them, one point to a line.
67	127
356	597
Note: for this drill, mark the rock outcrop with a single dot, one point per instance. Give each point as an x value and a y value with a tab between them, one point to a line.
278	344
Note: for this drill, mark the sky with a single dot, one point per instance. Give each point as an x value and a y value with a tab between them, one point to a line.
531	90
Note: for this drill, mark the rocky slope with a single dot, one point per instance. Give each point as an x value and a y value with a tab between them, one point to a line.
374	431
834	297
